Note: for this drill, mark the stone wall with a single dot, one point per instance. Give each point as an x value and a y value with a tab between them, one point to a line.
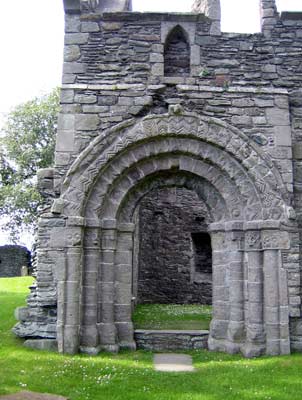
229	128
165	340
170	268
12	259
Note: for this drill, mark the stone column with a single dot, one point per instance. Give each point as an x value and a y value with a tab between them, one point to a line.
220	317
275	292
123	286
89	342
255	337
106	323
236	327
69	288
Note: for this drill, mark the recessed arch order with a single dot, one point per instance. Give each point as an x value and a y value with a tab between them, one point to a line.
238	184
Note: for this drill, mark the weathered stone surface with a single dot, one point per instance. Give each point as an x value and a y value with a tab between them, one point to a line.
76	38
86	122
12	259
163	340
72	53
157	101
173	363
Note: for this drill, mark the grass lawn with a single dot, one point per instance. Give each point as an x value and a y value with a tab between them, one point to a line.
130	376
172	316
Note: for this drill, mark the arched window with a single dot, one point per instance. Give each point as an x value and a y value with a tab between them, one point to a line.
177	53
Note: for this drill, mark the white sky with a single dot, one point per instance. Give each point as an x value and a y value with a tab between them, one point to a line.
31	33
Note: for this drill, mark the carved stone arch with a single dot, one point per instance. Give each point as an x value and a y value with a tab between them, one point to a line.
174	178
86	169
228	178
177	53
101	185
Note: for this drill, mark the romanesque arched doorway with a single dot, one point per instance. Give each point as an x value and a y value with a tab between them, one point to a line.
228	173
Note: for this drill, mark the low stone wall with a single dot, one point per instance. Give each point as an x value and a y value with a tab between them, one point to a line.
163	340
12	259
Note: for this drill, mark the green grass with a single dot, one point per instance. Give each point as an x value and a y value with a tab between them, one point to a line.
130	376
172	316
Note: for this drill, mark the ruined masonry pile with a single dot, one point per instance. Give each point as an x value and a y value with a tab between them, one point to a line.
12	259
160	100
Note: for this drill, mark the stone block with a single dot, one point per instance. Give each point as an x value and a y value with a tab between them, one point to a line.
107	100
157	48
85	98
72	53
156	58
72	23
242	120
283	135
295	300
86	122
157	69
123	312
67	96
88	26
65	141
76	38
123	293
73	68
111	26
259	121
143	101
277	117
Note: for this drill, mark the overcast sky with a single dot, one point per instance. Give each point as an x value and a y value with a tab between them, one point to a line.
31	35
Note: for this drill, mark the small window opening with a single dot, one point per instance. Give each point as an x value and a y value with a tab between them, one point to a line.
202	253
177	54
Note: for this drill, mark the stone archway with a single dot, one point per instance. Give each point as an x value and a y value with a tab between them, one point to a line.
172	249
245	196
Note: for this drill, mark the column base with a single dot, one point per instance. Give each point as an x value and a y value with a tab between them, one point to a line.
111	348
91	351
236	331
128	345
250	350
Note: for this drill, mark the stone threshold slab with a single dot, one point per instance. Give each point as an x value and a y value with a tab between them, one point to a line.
26	395
170	362
173	331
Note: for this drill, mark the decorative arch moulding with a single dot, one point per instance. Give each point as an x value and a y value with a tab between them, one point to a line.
214	138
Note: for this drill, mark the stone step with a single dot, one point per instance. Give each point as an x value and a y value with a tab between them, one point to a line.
163	340
173	363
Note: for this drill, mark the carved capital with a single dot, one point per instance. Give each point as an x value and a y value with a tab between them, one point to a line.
274	240
253	240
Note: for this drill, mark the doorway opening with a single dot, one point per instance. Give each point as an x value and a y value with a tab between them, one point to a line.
173	267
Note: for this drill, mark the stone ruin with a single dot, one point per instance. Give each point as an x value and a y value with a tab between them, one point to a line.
163	112
12	259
